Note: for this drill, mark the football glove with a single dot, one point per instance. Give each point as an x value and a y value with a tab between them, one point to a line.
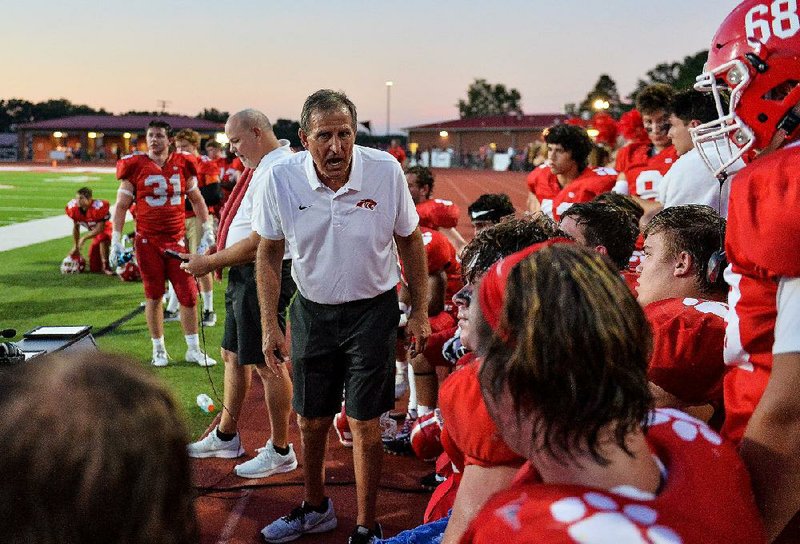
209	239
116	250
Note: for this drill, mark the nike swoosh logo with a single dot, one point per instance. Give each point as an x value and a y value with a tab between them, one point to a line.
481	213
303	207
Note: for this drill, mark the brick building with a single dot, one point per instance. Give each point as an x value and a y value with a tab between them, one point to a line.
97	137
466	136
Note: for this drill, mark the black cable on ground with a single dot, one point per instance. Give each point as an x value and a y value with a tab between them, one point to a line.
114	325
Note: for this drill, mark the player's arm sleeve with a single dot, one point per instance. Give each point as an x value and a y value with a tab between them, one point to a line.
407	218
266	219
787	325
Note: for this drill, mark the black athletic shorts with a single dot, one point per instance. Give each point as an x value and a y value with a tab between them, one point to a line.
350	346
243	318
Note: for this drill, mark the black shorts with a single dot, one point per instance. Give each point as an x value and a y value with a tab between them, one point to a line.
350	346
243	318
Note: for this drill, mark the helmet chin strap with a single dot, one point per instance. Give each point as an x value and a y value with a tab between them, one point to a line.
786	126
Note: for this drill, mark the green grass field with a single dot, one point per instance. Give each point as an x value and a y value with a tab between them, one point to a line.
36	293
33	195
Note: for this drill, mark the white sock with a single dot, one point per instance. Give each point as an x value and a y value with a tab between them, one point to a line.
192	341
208	300
423	410
172	300
412	390
402	371
158	344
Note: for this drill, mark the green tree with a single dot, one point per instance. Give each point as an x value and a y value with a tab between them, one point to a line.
483	98
213	114
286	129
605	90
681	75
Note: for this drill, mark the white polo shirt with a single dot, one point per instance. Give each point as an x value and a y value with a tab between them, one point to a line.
341	243
241	225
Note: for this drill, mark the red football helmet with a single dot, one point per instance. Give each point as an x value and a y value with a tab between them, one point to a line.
755	55
129	272
426	436
73	265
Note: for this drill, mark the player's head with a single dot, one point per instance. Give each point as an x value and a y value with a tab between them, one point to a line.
690	108
213	149
754	55
187	140
654	102
420	183
328	130
158	136
626	202
489	246
605	228
490	209
84	197
84	464
568	148
250	136
679	242
565	352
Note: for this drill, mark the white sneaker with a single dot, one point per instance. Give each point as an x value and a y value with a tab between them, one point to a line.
209	318
160	358
197	356
212	446
300	521
267	462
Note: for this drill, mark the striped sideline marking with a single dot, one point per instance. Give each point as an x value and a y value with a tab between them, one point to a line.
233	519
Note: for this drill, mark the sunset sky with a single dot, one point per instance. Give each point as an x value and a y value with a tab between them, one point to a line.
270	55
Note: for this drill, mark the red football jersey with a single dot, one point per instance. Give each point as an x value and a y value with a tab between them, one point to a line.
207	173
705	498
438	250
589	184
761	244
97	212
473	438
642	171
228	170
159	192
543	183
688	337
437	213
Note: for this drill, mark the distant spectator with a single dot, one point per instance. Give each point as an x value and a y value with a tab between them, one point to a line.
82	467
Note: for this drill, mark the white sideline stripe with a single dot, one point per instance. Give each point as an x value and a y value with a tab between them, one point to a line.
233	519
50	228
39	230
59	169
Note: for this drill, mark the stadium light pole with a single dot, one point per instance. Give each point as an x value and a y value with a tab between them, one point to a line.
388	106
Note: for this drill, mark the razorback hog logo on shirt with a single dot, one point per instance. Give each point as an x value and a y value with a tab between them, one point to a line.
367	203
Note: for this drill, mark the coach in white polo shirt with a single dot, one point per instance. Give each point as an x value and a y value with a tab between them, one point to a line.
254	142
344	211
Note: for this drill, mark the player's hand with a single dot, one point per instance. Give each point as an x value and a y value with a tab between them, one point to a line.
196	265
114	253
75	253
275	350
419	329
